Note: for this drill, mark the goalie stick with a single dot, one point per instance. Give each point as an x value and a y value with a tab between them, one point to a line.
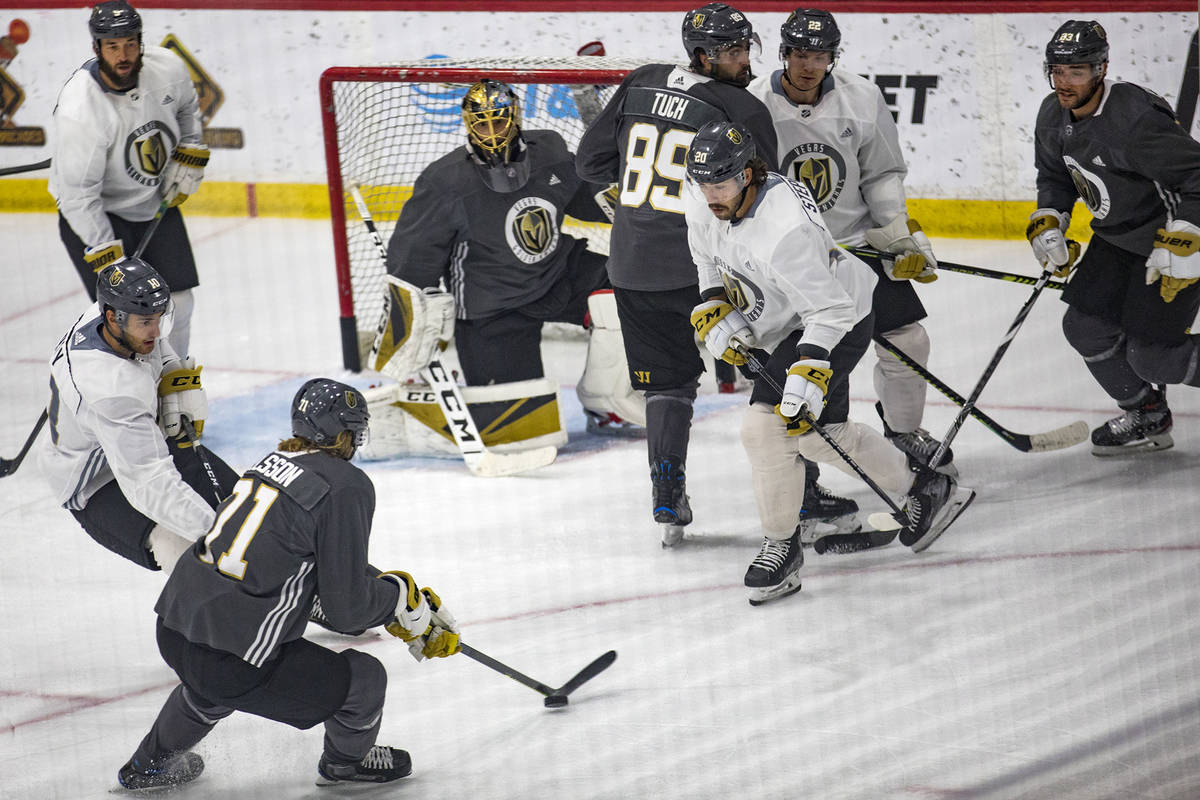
555	698
9	465
1011	277
1057	439
479	459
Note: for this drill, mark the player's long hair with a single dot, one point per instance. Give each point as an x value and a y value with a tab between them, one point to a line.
342	447
758	171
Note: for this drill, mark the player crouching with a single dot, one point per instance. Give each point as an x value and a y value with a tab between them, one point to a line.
776	286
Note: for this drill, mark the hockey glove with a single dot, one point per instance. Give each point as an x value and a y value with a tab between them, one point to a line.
103	254
181	396
717	323
1175	257
805	388
441	639
1047	235
608	199
413	614
904	237
183	173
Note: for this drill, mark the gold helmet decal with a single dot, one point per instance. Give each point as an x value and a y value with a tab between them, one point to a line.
352	399
115	277
733	135
697	20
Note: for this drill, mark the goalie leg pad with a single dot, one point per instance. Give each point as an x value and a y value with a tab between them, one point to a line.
604	387
776	473
900	389
886	465
414	324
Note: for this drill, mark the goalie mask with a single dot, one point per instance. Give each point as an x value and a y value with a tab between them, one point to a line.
323	408
492	114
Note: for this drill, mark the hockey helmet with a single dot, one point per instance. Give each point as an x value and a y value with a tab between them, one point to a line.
810	29
131	286
114	19
323	408
714	27
1078	41
719	151
492	114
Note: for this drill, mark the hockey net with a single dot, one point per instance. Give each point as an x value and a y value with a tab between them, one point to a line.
384	124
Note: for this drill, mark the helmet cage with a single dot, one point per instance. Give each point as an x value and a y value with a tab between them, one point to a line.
492	114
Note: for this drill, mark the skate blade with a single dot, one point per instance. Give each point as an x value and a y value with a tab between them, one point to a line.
671	535
1151	444
829	526
790	585
954	507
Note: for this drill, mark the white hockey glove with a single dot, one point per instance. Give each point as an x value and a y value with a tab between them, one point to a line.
1047	234
717	323
607	199
1175	257
103	254
413	614
441	639
183	173
181	396
904	237
805	388
416	324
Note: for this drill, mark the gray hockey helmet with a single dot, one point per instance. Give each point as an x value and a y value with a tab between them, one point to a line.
810	29
1078	41
323	408
719	151
114	19
714	27
131	286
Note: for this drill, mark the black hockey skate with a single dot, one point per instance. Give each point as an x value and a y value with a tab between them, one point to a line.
1147	427
775	571
934	502
671	508
833	524
163	772
380	765
918	445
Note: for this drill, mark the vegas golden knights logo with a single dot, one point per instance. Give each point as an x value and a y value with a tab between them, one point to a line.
817	176
734	291
1087	192
532	229
116	277
152	154
697	20
351	399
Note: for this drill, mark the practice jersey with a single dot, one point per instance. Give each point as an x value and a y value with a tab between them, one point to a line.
845	149
640	141
296	524
1130	162
110	147
496	251
102	416
780	266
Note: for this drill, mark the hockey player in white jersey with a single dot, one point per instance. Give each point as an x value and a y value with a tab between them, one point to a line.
773	280
127	143
838	137
118	392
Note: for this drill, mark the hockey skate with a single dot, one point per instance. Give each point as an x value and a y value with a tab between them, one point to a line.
609	424
833	525
934	502
380	765
163	772
1145	428
775	571
671	508
918	445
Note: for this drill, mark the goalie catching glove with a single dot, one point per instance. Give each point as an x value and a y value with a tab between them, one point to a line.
1047	234
103	254
416	324
805	388
904	237
421	620
181	396
183	173
1175	258
718	324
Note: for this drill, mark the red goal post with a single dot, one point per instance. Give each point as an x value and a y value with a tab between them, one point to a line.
384	124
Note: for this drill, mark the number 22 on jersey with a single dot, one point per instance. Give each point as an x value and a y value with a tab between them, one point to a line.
233	561
651	154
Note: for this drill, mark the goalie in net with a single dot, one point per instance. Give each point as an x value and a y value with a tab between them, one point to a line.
485	221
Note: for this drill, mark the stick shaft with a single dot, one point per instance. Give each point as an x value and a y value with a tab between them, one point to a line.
9	465
504	669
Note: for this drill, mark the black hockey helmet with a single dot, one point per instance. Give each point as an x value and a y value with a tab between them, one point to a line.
810	29
719	151
492	114
714	27
114	19
323	408
1078	41
131	286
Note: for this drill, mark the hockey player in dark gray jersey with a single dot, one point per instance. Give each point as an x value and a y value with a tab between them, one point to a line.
640	141
233	614
1133	299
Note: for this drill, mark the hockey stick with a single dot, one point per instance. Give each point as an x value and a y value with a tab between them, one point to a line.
24	168
9	465
479	459
936	458
555	698
190	432
1057	439
158	215
587	97
880	522
1011	277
